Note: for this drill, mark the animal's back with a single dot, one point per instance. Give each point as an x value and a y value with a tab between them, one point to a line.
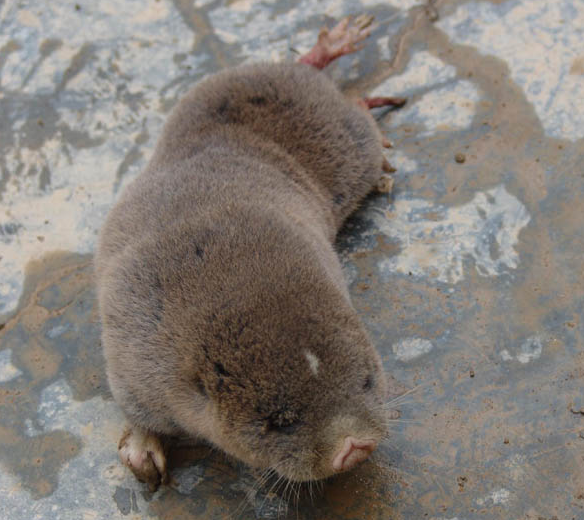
278	135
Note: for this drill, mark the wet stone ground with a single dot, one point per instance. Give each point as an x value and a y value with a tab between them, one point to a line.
469	278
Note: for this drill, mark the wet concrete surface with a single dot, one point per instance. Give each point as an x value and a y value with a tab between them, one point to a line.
469	277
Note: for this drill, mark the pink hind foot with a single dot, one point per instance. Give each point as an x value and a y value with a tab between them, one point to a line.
340	40
376	102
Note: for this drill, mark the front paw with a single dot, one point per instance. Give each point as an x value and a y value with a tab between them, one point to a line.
144	454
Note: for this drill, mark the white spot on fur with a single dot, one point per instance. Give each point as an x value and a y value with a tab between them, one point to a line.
313	361
529	350
485	229
7	370
540	40
497	497
411	348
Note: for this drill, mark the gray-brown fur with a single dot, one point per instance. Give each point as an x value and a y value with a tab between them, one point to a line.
216	272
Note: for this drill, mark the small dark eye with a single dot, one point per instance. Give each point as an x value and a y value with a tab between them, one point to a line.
369	383
200	386
286	429
281	422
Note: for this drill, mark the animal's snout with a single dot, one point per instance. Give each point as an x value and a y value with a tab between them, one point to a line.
352	452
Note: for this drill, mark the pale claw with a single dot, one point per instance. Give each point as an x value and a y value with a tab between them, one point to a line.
386	143
386	167
385	184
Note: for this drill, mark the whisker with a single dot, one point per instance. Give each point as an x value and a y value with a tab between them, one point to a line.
297	498
407	401
398	401
265	475
409	392
274	485
284	498
319	486
273	470
240	509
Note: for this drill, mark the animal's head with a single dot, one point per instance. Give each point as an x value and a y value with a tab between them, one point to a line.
292	383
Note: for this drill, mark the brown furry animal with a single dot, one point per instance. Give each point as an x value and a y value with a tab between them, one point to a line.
225	313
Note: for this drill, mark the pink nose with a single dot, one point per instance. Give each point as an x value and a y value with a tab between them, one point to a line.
353	451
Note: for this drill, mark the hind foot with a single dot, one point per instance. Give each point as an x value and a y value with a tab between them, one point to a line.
340	40
376	102
144	454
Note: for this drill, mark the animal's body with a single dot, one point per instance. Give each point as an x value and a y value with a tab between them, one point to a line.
225	313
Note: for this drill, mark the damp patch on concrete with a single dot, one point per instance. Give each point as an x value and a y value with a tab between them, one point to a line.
541	42
486	230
